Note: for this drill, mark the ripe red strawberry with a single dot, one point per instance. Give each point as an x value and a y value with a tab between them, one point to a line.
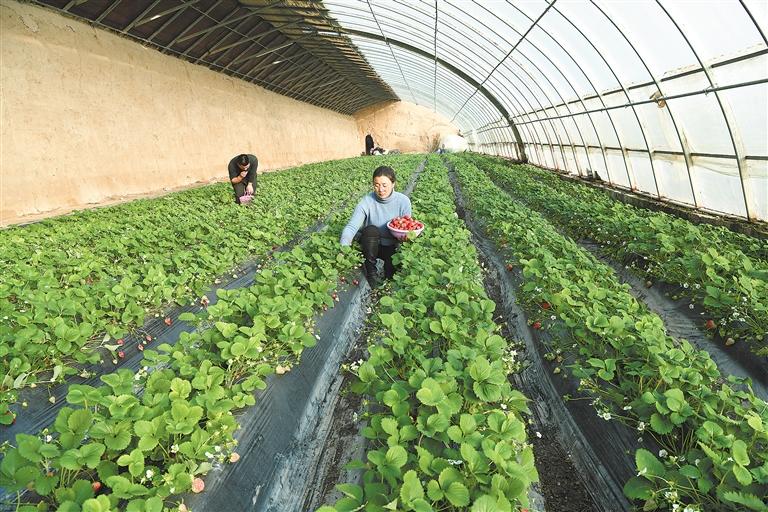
509	267
168	320
545	305
121	342
148	338
710	325
355	282
140	347
537	325
121	354
96	486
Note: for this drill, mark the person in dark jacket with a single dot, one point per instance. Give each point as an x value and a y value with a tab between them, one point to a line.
368	144
371	216
242	175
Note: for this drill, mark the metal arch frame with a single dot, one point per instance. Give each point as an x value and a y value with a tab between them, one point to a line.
389	67
557	91
220	43
423	52
549	5
434	86
191	25
140	17
201	35
706	91
640	124
599	96
656	82
446	65
106	11
423	94
405	80
223	17
353	15
168	50
222	49
352	12
184	5
514	97
754	22
168	22
676	75
503	83
738	148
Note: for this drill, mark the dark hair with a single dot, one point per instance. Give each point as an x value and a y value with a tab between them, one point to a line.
243	160
385	171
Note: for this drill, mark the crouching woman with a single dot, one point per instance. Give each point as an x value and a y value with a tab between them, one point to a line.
368	223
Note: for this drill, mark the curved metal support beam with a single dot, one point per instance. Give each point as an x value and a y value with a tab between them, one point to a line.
458	72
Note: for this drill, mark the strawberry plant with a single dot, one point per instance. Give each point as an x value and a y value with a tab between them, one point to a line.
445	426
147	436
71	285
725	272
712	431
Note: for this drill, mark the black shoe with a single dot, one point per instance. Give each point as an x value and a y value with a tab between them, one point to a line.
371	273
373	282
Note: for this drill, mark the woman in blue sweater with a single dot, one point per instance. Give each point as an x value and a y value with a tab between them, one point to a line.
372	214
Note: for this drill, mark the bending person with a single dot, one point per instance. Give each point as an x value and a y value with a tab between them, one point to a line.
372	214
242	175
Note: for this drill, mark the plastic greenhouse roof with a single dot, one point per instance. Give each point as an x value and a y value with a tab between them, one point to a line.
667	98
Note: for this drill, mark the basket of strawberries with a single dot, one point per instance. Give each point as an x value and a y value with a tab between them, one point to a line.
405	227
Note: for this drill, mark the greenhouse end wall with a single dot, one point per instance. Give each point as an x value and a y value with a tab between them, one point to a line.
404	126
89	117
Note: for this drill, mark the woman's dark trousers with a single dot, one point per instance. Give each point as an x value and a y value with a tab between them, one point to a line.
370	243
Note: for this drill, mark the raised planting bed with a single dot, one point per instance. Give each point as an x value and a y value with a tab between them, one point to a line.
144	438
722	272
445	428
75	285
711	429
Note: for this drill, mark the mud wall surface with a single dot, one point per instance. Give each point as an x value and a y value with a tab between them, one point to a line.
405	126
88	117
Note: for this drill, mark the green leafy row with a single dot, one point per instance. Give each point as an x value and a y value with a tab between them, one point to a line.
714	433
142	438
445	426
715	267
68	281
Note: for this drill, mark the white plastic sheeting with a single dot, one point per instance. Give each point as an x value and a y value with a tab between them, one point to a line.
662	97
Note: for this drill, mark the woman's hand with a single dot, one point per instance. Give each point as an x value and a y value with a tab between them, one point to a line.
249	189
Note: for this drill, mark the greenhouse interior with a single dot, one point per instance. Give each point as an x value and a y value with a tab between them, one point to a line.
383	255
